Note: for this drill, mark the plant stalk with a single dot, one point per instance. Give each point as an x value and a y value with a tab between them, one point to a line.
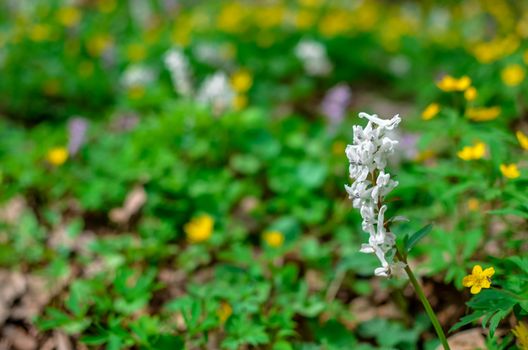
425	302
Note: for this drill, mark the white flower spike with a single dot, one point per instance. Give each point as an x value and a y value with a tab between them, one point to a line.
368	157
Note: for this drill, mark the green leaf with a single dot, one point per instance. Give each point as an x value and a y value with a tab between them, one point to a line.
467	320
410	241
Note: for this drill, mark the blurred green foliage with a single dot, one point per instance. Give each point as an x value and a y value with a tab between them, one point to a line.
271	163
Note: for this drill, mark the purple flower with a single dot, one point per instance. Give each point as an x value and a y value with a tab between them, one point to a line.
77	127
335	103
125	122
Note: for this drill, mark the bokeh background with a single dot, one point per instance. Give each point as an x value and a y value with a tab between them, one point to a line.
172	172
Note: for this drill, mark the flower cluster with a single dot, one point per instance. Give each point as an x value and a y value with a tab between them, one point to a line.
137	75
216	91
368	157
314	58
179	69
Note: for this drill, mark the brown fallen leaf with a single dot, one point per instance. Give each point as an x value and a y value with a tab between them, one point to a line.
133	203
12	286
11	211
472	339
62	340
19	338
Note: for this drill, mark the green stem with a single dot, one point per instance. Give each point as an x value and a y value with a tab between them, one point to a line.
425	302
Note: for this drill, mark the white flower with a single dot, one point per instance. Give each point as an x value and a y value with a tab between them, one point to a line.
314	58
178	67
368	157
137	75
216	92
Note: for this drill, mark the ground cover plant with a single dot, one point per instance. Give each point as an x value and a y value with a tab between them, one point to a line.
210	175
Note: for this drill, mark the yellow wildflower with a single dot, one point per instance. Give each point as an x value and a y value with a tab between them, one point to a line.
338	148
310	3
523	139
69	16
274	239
449	84
269	16
424	156
470	94
510	171
477	151
430	111
224	311
231	16
487	52
241	80
106	6
136	52
199	229
334	23
482	114
473	204
240	101
521	333
40	32
478	279
57	156
304	19
136	92
513	75
98	44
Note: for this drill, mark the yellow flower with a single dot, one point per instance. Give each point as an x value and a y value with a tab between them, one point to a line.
430	111
513	75
241	80
136	92
57	156
269	16
478	279
449	84
482	114
523	139
310	3
39	32
106	6
473	204
334	23
424	156
240	101
224	311
274	239
230	18
510	171
98	44
477	151
136	52
304	19
487	52
470	94
69	16
199	229
338	148
521	333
